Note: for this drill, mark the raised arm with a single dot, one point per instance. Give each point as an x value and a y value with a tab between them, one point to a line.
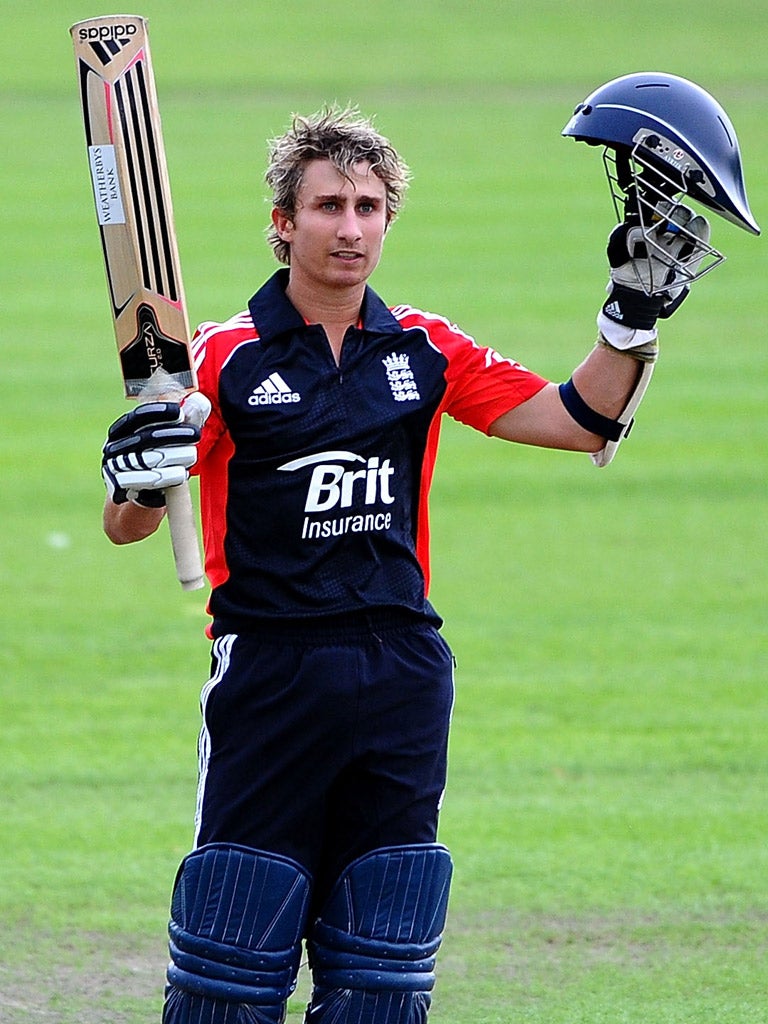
594	410
605	380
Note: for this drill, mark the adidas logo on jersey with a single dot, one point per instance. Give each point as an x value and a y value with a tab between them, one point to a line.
273	391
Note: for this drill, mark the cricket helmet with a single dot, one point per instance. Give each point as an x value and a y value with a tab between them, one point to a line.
677	136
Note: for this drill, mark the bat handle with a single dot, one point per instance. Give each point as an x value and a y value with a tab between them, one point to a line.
186	548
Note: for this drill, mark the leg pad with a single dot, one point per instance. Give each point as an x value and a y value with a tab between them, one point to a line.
237	919
373	949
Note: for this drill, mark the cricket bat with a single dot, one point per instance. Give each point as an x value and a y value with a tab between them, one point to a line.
135	217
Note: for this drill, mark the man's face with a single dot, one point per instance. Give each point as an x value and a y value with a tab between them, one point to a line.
337	231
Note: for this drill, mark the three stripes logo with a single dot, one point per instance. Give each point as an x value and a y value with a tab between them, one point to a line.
273	391
107	41
613	310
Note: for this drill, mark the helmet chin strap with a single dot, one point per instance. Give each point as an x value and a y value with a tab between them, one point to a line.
624	177
643	196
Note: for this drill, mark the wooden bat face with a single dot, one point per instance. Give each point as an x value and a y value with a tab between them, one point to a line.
133	202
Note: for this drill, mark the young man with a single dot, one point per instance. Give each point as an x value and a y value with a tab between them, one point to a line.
325	720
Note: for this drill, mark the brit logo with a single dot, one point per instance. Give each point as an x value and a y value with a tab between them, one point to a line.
345	482
273	391
400	377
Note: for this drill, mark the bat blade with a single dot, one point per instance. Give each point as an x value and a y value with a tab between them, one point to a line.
133	200
132	195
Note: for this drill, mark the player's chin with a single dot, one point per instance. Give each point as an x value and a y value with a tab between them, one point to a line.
351	269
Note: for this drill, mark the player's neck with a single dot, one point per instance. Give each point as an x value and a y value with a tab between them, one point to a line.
335	309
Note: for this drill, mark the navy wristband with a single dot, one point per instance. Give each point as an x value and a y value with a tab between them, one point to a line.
586	417
149	498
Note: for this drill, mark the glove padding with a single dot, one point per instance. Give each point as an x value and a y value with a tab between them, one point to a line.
147	450
660	264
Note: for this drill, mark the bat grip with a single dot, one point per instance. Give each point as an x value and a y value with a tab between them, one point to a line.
186	548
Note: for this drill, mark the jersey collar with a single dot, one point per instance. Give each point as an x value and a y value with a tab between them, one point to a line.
273	313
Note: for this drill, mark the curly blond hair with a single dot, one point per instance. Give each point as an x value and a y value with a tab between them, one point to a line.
343	136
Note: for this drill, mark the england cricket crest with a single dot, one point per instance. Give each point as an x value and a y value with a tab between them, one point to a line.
400	376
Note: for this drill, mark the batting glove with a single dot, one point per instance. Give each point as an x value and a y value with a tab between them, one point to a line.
648	278
147	450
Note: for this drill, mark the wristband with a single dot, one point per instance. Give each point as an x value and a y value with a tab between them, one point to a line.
147	498
587	417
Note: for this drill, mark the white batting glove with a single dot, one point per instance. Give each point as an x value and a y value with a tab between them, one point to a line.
150	449
650	271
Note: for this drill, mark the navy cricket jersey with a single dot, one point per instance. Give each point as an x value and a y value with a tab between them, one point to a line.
314	477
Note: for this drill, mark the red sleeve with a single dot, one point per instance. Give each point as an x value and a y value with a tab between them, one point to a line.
482	385
212	345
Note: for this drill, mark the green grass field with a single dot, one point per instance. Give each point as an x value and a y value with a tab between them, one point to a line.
607	803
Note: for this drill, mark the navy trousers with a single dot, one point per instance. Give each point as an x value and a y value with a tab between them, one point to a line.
325	746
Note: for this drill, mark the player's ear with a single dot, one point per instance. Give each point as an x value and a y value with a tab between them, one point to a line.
282	223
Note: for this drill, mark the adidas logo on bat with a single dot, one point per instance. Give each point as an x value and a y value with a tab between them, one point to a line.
273	391
108	40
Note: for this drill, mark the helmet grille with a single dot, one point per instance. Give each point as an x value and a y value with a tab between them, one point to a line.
646	192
